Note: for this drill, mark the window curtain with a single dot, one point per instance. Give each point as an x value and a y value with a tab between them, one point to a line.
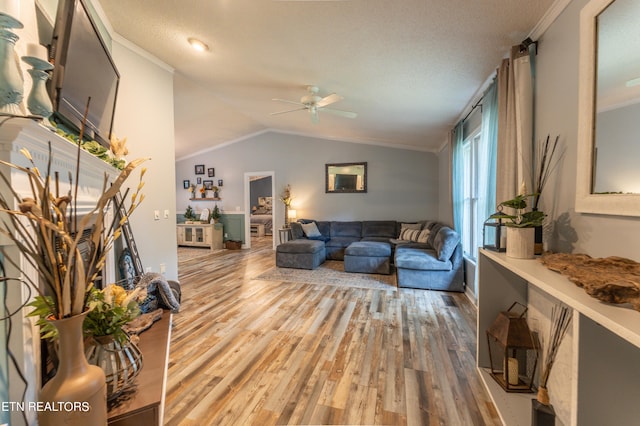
457	178
487	155
515	132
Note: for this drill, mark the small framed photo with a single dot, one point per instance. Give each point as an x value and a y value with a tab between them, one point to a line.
211	172
199	180
220	182
199	169
186	184
208	185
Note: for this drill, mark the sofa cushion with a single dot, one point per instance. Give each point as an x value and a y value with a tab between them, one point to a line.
379	229
368	248
301	246
420	259
435	227
341	241
346	229
445	242
296	230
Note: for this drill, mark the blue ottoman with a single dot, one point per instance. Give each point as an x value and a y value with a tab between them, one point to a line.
369	257
301	254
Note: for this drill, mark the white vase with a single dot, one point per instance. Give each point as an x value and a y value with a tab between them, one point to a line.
520	242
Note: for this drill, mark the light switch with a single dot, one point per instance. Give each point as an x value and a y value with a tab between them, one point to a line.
156	214
166	214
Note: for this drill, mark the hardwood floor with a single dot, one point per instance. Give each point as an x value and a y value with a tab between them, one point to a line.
245	351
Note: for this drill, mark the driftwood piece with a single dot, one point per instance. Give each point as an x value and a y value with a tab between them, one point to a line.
142	322
611	279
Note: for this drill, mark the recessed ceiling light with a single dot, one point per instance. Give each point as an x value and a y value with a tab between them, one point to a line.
199	45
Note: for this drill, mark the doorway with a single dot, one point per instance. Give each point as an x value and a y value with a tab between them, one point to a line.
259	190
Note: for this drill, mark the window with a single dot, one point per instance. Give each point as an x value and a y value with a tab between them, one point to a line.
471	223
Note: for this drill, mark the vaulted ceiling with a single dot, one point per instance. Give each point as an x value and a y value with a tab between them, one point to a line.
407	68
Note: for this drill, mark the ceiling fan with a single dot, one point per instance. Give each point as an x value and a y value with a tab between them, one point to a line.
315	103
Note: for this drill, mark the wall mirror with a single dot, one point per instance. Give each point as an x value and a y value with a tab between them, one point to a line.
608	178
346	177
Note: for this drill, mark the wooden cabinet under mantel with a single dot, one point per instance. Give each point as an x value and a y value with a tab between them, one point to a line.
603	378
200	235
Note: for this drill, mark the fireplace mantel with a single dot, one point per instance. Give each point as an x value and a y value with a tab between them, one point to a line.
15	134
18	133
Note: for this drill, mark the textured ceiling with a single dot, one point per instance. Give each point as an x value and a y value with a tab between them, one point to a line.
407	67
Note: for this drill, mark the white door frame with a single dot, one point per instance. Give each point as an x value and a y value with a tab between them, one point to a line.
247	206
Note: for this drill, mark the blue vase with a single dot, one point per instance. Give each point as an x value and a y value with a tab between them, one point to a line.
38	101
11	81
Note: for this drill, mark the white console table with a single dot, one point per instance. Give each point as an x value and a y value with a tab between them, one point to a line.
605	343
199	235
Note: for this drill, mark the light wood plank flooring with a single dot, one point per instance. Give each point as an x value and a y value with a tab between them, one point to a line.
255	352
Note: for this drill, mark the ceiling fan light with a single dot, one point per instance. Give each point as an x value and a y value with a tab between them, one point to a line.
198	45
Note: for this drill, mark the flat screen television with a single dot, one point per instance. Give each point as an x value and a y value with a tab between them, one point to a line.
83	69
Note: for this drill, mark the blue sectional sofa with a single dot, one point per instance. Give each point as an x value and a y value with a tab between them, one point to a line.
426	254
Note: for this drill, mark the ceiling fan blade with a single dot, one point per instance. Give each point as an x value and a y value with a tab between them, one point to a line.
289	110
328	100
348	114
287	101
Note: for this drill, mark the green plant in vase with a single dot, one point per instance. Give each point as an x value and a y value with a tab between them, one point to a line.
521	218
215	214
521	225
189	214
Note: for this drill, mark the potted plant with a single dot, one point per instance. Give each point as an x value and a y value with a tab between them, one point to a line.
189	214
214	217
215	191
520	226
107	345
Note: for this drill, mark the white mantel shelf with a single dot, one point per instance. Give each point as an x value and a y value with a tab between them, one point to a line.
604	344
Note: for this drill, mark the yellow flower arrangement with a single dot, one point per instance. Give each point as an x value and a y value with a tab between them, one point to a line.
110	309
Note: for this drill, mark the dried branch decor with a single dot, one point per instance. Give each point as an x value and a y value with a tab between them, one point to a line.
45	228
560	320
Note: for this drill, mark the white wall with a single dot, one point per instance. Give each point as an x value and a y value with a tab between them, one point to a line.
402	184
144	115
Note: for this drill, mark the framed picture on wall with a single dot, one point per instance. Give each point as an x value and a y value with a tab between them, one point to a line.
199	181
199	169
208	185
186	184
220	182
211	172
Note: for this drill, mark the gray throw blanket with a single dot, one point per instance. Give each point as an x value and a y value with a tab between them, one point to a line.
157	285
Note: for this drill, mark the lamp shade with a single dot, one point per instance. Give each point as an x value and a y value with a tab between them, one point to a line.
292	214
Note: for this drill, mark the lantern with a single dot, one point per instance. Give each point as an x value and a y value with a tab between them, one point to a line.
494	234
513	351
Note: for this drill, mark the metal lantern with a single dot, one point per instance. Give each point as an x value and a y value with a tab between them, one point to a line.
494	234
513	351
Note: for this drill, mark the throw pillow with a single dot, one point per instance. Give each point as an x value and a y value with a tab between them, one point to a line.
424	236
409	234
405	228
311	230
